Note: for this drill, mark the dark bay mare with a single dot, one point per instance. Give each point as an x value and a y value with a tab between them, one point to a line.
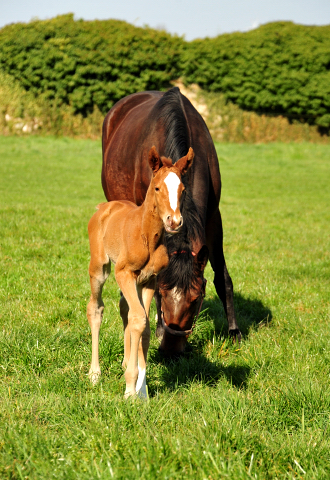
170	123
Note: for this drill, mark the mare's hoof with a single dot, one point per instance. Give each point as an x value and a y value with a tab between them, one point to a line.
235	335
94	377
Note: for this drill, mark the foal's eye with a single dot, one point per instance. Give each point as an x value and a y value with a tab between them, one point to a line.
157	189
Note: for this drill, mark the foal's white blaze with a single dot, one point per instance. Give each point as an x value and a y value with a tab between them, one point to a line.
172	182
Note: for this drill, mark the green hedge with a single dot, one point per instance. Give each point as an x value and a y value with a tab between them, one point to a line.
88	63
279	68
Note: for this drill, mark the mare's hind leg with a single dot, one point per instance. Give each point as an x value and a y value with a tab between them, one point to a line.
222	281
98	272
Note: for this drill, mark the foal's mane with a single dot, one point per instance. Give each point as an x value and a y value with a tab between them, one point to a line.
181	271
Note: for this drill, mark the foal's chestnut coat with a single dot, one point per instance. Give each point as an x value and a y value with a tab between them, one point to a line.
133	238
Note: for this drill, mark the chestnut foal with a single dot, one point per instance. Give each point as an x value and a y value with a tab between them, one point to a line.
133	238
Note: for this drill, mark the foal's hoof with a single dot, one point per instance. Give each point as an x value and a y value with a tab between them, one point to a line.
94	377
142	395
235	335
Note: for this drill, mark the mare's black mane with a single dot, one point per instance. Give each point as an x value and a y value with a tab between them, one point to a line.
181	271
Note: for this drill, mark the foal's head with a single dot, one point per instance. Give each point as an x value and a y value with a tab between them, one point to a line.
168	187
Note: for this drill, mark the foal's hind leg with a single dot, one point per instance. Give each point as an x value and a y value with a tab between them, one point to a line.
98	272
146	293
123	307
222	281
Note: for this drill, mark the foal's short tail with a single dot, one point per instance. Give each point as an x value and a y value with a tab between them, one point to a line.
100	205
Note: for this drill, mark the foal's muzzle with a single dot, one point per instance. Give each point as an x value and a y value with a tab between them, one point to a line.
173	224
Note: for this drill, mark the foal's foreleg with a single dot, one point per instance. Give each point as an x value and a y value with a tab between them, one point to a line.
98	274
136	324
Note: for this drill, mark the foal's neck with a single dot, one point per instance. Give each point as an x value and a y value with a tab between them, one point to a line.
152	223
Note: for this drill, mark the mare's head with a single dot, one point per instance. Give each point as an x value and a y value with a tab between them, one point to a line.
168	188
182	289
181	284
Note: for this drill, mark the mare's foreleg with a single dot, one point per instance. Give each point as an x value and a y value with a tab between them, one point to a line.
98	272
222	281
137	322
158	300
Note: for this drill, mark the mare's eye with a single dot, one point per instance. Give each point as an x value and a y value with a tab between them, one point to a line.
157	189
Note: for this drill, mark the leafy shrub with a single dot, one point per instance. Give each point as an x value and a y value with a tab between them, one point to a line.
88	63
279	68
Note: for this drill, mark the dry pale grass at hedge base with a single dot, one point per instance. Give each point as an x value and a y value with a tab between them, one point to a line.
23	114
228	123
19	110
62	121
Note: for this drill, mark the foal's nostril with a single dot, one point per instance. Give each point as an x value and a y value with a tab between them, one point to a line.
169	220
181	222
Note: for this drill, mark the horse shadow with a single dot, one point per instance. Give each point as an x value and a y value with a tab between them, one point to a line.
194	365
251	314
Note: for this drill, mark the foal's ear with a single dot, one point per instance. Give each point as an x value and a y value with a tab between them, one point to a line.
154	160
185	162
167	162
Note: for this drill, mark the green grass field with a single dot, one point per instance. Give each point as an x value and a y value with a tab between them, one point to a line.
260	410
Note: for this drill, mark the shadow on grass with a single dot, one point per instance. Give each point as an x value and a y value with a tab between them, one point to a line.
193	365
250	313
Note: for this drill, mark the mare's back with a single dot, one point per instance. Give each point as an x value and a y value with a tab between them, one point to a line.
126	140
141	120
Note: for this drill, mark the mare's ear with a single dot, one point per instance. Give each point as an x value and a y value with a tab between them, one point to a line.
185	162
202	257
154	160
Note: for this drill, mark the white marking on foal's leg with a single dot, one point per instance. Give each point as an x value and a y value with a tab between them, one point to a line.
141	385
172	182
94	376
